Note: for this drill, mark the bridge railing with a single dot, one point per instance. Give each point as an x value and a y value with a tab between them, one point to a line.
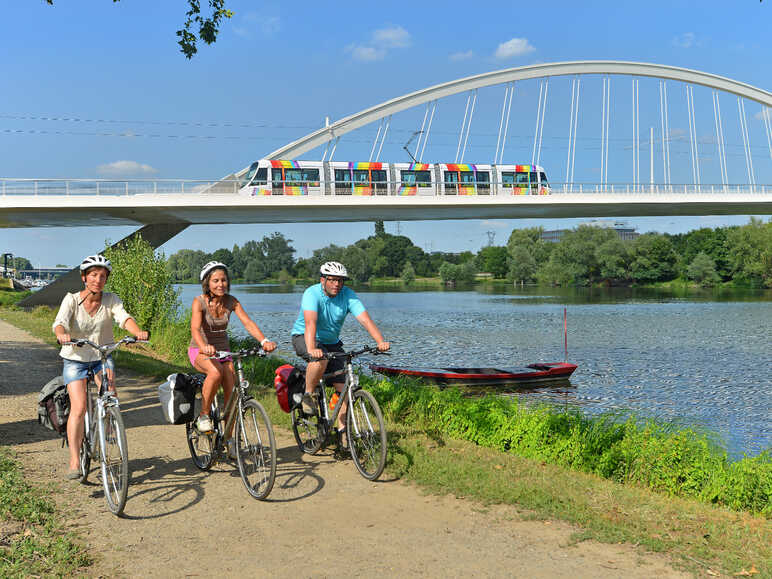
116	188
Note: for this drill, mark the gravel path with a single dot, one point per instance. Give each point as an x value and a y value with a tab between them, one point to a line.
321	520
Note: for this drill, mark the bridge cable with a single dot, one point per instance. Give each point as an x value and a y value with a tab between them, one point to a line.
463	125
746	140
501	123
765	114
423	126
428	129
536	129
572	129
692	136
383	139
636	136
541	120
469	124
375	141
576	126
334	146
506	122
719	138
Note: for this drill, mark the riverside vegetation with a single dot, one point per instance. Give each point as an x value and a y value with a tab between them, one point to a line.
619	477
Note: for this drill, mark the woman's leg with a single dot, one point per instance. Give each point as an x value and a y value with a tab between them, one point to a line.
228	381
77	392
214	376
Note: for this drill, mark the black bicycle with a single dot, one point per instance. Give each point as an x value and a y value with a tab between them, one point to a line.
255	444
365	427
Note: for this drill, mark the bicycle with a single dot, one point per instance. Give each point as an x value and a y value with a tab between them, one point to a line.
365	427
255	442
103	420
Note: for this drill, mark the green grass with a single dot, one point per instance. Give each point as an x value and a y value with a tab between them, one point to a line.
33	541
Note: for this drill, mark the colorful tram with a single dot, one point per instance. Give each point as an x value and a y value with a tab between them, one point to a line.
270	177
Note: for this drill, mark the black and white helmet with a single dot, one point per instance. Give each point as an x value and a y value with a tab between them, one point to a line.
96	261
333	268
209	267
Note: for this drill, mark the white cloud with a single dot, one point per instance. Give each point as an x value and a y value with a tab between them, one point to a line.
394	37
125	169
759	116
458	56
685	40
381	41
365	53
512	48
255	22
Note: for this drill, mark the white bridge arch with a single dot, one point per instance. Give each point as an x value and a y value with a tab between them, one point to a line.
603	67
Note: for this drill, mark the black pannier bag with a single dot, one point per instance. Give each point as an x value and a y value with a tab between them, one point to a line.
178	396
54	406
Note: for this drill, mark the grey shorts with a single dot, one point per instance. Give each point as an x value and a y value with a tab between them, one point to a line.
299	343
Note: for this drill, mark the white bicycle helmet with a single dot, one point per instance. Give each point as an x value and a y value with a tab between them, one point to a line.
333	268
209	267
96	261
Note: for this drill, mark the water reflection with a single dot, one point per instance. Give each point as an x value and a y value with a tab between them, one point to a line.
702	358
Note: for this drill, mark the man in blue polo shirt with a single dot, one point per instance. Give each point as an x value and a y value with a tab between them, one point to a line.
323	309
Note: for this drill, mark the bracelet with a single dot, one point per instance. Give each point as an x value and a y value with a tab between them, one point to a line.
263	341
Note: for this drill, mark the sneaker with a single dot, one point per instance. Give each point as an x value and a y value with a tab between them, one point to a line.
309	404
204	423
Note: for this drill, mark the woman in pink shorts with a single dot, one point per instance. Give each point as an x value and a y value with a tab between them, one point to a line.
208	330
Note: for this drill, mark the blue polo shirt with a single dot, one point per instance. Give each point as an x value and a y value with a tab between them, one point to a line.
330	312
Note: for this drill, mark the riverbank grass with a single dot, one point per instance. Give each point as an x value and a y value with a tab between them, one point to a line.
33	542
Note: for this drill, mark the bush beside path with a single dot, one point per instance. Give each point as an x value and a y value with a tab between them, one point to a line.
181	522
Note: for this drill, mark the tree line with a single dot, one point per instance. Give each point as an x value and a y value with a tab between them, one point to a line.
586	255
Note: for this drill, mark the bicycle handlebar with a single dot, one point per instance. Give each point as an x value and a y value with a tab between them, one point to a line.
352	353
244	353
105	348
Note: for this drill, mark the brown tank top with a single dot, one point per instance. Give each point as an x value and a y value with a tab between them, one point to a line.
215	330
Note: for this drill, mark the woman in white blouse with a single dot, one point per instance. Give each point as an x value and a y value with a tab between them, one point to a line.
90	314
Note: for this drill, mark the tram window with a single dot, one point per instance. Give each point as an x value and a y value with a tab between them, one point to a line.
362	176
467	177
483	182
379	179
534	177
310	177
342	181
247	179
293	177
521	178
276	177
417	178
543	180
262	176
451	181
507	179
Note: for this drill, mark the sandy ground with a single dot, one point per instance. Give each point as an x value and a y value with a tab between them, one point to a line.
321	520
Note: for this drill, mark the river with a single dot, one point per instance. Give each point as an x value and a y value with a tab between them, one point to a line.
694	358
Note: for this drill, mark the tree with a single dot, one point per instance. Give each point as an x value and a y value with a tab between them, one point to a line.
613	260
208	27
702	269
279	254
653	258
522	265
186	264
408	274
493	259
23	263
380	229
750	253
141	278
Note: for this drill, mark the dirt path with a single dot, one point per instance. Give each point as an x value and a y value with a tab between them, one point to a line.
181	522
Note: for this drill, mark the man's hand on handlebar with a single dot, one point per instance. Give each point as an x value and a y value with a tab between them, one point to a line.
383	346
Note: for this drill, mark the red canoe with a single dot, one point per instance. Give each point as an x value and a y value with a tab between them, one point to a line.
542	372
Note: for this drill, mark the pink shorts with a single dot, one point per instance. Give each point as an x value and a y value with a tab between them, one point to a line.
193	354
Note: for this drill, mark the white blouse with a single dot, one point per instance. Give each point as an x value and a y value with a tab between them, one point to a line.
98	328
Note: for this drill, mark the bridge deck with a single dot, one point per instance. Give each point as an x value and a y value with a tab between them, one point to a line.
80	210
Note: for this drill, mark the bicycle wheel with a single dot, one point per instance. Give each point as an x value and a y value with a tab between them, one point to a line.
115	459
256	450
201	446
366	433
84	454
308	430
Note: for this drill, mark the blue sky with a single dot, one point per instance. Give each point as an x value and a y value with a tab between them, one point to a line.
100	89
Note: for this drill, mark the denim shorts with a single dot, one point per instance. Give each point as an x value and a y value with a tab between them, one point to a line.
76	370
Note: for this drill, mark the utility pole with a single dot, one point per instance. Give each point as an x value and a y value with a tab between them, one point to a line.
491	237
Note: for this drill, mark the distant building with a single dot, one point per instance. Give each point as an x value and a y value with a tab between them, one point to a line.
624	231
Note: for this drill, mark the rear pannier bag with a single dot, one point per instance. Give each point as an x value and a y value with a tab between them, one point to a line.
54	406
289	382
178	396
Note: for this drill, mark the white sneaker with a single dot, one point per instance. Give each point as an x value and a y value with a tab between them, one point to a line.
204	423
308	404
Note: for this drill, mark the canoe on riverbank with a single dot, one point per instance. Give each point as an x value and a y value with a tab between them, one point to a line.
539	372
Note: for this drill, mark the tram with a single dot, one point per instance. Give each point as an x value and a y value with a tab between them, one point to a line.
277	177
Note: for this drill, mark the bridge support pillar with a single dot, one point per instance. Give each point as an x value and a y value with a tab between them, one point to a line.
52	295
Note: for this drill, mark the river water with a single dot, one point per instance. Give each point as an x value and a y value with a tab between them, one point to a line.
702	359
